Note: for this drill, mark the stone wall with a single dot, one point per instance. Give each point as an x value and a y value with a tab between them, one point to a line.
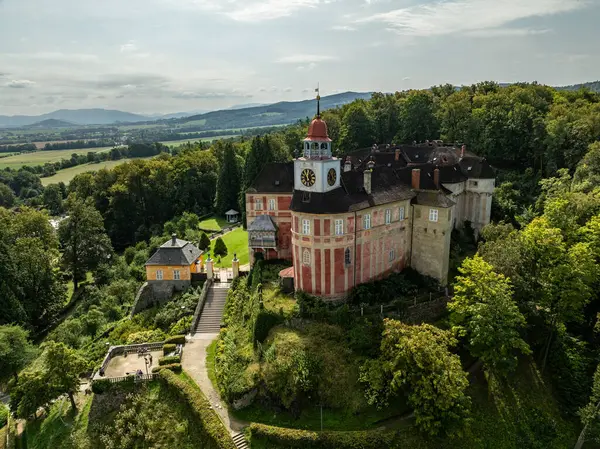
156	293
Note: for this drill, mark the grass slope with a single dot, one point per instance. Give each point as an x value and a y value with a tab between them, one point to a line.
237	243
69	173
213	224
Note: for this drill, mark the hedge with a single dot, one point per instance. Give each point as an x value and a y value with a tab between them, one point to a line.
265	321
374	439
217	435
177	339
175	367
168	348
169	360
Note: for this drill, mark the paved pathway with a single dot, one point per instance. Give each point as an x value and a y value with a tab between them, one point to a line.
194	363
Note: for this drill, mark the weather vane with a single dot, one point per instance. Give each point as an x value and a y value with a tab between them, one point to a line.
317	90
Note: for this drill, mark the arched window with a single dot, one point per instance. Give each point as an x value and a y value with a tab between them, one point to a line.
306	257
307	146
347	260
315	146
323	146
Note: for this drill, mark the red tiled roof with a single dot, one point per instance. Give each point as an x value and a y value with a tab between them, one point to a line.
287	273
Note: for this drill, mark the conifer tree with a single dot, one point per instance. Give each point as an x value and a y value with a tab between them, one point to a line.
204	242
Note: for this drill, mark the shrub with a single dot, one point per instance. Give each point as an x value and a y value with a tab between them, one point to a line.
146	337
216	434
129	254
178	339
3	415
169	360
101	386
283	437
181	327
175	367
168	348
265	321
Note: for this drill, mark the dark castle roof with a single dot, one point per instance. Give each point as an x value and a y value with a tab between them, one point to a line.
175	252
391	179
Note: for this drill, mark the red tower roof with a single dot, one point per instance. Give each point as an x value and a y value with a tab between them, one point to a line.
317	129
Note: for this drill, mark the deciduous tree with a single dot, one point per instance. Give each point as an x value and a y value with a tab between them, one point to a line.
228	185
15	351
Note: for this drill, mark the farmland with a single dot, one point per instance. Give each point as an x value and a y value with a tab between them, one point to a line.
42	157
69	173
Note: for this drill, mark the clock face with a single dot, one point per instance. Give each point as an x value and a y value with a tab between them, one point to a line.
308	177
331	176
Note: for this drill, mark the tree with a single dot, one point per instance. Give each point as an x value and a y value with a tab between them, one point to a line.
32	392
7	196
204	242
53	199
356	129
417	359
220	248
417	118
587	174
15	351
590	414
485	313
63	366
83	239
228	185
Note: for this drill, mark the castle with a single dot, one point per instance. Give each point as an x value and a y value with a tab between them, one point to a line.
347	221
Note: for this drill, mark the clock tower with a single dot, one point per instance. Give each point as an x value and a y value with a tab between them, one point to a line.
317	171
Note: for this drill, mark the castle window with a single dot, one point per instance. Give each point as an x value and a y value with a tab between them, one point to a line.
433	215
401	214
258	204
177	275
159	275
388	216
306	227
323	146
271	204
367	221
392	255
347	260
339	227
306	257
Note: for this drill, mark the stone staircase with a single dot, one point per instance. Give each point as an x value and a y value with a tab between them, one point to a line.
212	312
240	441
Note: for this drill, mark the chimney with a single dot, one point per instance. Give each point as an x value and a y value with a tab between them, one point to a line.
367	176
348	164
462	151
436	177
416	178
173	239
397	155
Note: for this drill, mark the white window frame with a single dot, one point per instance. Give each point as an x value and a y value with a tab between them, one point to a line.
401	215
339	227
434	215
388	216
258	204
159	275
367	221
271	204
306	257
176	275
392	255
305	226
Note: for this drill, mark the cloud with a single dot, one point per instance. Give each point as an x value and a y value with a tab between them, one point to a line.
248	10
307	68
305	59
287	89
191	95
343	28
460	16
129	47
20	84
501	32
406	78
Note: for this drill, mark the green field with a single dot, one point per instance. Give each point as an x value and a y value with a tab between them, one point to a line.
213	224
236	242
176	143
69	173
41	157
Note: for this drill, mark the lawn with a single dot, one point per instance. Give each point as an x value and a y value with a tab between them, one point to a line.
236	242
42	157
214	224
69	173
89	278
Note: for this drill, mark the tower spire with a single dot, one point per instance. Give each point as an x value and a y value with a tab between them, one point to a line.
317	90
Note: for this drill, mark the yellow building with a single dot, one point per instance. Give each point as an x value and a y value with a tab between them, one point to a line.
173	264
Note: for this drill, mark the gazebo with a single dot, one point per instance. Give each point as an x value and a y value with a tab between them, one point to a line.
232	216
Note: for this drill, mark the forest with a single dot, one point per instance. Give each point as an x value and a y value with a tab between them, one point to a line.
523	316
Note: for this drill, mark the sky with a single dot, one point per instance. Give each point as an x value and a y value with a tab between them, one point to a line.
164	56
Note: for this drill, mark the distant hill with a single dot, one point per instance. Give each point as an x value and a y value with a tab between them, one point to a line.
50	123
281	113
75	116
594	86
